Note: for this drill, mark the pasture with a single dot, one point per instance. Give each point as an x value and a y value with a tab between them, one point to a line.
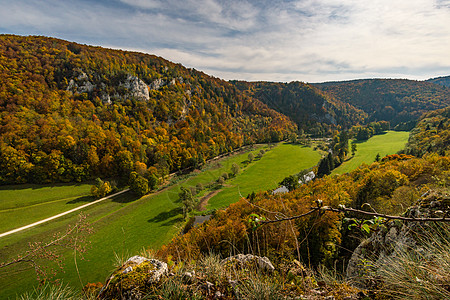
383	144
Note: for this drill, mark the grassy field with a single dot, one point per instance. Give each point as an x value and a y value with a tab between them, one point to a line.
266	173
384	144
124	225
24	204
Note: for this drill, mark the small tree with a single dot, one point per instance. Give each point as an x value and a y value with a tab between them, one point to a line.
377	158
260	154
138	184
187	199
221	180
153	182
251	157
199	187
100	188
235	169
291	182
353	149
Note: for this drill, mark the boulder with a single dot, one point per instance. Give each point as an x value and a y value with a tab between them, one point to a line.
248	260
133	279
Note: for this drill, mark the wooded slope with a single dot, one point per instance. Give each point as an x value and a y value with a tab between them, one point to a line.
70	112
393	100
313	110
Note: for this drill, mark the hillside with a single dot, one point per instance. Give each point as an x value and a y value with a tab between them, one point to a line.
444	81
382	256
393	100
432	134
311	109
71	112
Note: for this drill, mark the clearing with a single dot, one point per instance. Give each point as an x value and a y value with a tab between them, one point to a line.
383	144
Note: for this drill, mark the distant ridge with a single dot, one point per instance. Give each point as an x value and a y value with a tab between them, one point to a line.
313	110
394	100
444	80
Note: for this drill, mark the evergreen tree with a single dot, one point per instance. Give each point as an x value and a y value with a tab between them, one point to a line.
324	167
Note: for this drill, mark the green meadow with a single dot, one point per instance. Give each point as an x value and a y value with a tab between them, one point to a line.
124	225
383	144
25	204
266	173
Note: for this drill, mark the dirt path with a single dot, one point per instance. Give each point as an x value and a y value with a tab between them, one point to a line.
204	200
61	214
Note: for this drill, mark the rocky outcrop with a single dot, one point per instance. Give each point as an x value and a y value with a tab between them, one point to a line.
248	260
394	238
136	88
80	84
132	279
157	84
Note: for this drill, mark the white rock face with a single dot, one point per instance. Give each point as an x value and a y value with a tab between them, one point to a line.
137	88
157	84
81	85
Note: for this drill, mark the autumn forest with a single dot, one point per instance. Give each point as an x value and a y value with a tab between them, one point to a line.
79	114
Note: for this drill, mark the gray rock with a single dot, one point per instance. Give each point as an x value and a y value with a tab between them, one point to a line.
136	88
397	237
119	286
247	259
157	84
80	84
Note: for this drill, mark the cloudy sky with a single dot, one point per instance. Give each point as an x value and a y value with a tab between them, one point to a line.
273	40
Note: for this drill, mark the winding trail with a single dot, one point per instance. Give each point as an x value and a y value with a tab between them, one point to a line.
61	214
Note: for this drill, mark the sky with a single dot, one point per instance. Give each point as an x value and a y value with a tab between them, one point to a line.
270	40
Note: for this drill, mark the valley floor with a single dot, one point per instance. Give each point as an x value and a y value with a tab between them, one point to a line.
123	225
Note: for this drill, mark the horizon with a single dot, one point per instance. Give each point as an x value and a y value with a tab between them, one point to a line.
320	82
279	41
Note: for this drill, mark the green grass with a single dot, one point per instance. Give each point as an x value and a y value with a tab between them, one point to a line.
384	144
24	204
274	166
125	224
15	196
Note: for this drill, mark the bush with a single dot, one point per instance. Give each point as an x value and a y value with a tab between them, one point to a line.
221	180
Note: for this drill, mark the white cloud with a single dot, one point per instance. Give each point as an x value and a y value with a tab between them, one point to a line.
310	40
145	4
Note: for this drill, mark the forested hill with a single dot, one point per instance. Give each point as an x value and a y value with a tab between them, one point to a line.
393	100
444	81
432	134
71	112
312	110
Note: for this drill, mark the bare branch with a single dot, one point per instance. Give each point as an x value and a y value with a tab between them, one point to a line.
290	218
345	209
